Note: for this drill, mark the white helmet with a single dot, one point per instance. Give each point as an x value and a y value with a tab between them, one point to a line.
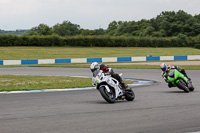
94	66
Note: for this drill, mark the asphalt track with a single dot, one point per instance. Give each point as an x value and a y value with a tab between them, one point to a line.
156	109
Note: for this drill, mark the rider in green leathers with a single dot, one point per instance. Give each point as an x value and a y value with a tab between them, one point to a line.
165	70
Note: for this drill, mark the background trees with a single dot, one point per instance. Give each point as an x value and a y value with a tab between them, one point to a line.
166	24
41	29
66	29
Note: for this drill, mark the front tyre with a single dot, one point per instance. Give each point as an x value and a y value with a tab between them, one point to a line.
190	86
129	94
108	96
182	85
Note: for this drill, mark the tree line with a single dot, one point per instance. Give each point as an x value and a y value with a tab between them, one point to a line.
166	24
168	29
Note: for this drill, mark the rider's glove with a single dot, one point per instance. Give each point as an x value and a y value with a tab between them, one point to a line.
109	69
166	80
93	82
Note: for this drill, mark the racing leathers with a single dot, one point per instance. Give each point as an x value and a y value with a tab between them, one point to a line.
165	74
107	70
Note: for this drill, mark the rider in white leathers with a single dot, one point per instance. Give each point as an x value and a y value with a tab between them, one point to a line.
107	70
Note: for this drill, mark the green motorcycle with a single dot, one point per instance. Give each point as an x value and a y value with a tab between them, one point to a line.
180	81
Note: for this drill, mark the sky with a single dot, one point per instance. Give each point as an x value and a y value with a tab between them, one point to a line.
89	14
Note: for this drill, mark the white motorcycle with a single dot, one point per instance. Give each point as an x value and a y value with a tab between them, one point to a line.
110	88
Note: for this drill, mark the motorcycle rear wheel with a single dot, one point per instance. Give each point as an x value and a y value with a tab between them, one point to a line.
129	94
108	96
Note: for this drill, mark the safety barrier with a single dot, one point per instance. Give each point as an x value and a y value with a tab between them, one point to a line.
105	59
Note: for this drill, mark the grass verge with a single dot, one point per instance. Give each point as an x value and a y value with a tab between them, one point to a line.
23	53
19	82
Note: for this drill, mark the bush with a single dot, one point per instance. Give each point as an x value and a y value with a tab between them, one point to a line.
197	46
99	41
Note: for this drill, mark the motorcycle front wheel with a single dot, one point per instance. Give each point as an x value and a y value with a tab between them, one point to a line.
190	86
108	96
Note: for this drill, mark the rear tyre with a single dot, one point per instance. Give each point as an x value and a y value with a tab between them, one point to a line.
129	94
108	96
182	85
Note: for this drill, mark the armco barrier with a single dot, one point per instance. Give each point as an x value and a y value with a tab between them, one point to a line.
105	59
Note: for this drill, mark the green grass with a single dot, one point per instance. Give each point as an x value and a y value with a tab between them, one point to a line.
19	82
18	53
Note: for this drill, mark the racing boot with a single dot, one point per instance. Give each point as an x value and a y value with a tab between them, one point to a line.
124	86
184	73
170	85
189	79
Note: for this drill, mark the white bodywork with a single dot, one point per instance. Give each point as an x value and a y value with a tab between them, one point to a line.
101	77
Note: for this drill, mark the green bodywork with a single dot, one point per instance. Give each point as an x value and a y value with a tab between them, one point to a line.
174	76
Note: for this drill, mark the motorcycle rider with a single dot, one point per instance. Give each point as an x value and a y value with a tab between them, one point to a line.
165	70
107	70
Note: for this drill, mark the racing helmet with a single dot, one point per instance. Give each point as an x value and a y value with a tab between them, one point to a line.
94	66
163	67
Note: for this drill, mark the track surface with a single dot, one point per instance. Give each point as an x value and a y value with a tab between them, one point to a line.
156	109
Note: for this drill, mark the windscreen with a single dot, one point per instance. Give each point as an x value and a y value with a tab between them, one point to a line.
171	73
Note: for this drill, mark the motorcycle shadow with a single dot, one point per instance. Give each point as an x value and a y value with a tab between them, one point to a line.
104	102
175	92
